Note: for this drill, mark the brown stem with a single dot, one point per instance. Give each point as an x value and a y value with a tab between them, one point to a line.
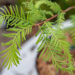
49	19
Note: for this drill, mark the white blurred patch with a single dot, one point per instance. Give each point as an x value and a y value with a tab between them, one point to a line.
66	24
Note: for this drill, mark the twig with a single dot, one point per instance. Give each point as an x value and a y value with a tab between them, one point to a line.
49	19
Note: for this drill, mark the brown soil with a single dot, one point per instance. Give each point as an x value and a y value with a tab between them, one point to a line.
47	68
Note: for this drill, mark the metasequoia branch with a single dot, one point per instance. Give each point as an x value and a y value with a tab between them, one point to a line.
49	19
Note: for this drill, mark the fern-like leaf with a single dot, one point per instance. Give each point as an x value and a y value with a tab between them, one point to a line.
13	15
54	46
11	54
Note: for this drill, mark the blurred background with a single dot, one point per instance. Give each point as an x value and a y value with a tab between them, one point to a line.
30	64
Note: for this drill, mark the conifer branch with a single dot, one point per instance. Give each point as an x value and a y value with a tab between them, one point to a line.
52	38
49	19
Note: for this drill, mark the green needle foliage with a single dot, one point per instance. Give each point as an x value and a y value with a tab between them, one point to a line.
55	46
20	21
20	29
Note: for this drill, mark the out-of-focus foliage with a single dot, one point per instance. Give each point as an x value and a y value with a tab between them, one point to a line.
72	30
65	4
